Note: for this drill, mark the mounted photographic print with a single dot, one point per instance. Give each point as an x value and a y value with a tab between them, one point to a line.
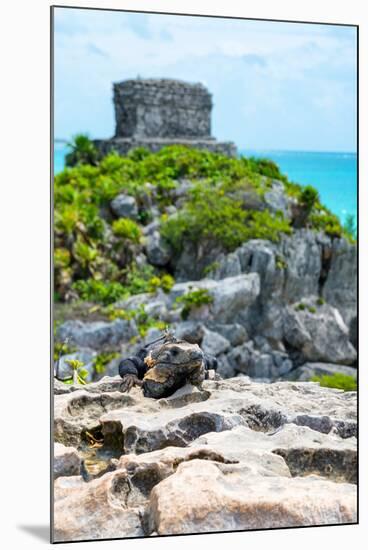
204	369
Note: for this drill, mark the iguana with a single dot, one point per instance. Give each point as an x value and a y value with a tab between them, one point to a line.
164	365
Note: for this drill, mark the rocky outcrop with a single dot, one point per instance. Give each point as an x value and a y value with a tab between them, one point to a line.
98	334
228	498
235	455
319	334
66	460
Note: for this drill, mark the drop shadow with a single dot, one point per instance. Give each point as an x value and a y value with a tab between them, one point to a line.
40	532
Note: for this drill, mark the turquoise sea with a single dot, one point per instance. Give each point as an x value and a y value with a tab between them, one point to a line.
333	174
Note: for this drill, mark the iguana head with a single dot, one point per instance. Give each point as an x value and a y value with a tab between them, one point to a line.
171	365
175	354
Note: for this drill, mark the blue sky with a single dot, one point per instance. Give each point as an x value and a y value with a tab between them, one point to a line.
286	86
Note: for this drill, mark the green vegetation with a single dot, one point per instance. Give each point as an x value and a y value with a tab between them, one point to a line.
309	197
95	253
300	307
211	216
193	300
79	373
281	262
82	151
127	229
312	309
102	359
321	301
338	380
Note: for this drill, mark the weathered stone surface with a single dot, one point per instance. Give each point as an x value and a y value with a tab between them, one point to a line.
234	333
191	331
227	498
213	343
340	289
319	334
250	450
276	199
124	206
140	433
67	461
78	411
156	112
306	371
95	510
305	451
98	334
105	384
157	251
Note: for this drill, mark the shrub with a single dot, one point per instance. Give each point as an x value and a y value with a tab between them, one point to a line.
338	380
211	215
321	301
266	167
309	197
193	300
329	223
127	229
100	292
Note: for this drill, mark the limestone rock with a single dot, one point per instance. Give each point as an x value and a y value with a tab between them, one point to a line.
67	461
124	206
235	454
213	343
306	371
320	334
276	199
98	334
95	510
227	498
340	289
157	251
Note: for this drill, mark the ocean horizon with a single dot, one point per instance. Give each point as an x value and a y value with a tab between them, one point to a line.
333	174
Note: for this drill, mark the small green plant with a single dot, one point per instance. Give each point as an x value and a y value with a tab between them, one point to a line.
312	309
102	359
165	282
300	307
320	301
61	258
127	229
280	262
79	373
211	267
62	348
338	380
82	151
193	300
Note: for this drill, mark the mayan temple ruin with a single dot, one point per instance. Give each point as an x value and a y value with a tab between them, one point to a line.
153	113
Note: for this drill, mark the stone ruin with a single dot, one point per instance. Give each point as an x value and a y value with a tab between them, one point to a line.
153	113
